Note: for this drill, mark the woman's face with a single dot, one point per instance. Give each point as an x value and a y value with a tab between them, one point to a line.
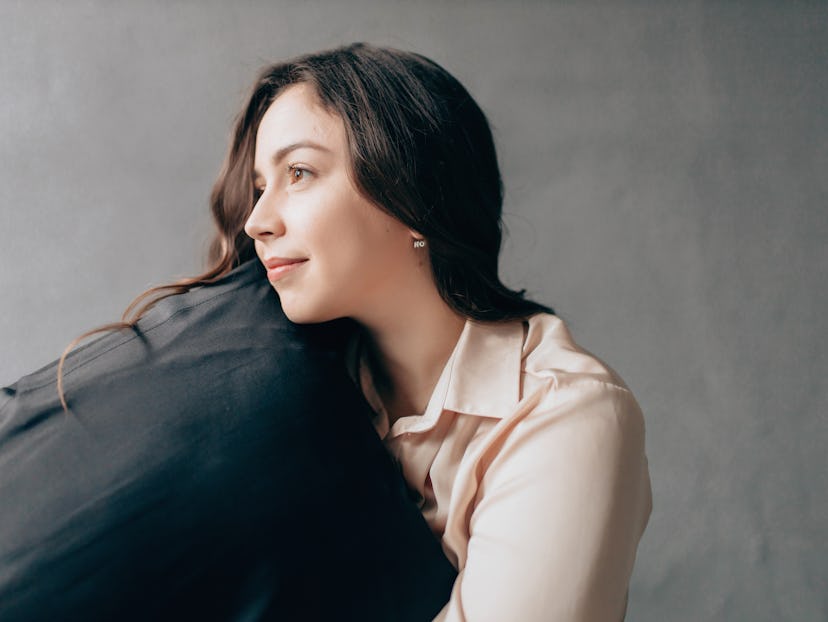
329	251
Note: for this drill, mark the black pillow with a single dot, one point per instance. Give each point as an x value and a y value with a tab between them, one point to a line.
216	463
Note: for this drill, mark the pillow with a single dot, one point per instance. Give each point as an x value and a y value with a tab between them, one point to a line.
216	463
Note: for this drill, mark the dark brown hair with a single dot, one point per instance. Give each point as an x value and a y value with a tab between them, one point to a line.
421	150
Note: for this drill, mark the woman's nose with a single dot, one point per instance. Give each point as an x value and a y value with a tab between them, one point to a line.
264	221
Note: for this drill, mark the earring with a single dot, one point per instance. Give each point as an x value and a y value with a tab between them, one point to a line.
419	243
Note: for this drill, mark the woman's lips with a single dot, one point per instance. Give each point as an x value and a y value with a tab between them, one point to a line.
277	267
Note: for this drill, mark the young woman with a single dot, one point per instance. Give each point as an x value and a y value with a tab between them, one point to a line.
367	182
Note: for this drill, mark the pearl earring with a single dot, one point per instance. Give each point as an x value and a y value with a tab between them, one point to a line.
419	243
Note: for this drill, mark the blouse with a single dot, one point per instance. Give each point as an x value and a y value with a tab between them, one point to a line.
529	466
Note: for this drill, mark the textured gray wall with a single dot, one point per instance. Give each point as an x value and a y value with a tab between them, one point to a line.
666	170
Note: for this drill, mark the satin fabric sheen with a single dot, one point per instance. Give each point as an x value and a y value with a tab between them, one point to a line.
215	464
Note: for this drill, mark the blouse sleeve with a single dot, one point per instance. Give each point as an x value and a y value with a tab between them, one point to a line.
559	513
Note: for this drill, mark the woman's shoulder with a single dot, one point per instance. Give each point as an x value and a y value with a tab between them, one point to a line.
560	378
550	351
572	400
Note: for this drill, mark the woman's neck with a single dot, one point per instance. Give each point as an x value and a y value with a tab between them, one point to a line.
408	349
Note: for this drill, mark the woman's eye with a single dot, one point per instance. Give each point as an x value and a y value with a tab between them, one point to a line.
297	173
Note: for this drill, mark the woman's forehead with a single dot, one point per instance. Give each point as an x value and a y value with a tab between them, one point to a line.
296	118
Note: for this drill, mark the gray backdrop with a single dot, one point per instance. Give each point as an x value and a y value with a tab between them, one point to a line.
665	167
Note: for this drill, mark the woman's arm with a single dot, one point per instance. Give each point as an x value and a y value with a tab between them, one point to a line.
560	511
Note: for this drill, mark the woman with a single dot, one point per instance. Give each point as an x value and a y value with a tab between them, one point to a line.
367	179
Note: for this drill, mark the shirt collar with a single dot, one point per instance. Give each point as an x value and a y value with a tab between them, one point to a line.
481	378
484	369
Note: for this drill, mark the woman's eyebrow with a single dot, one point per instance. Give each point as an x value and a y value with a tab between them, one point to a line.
283	151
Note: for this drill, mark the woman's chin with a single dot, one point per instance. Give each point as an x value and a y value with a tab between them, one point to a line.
299	313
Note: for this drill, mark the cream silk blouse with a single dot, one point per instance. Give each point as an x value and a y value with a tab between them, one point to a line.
529	462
